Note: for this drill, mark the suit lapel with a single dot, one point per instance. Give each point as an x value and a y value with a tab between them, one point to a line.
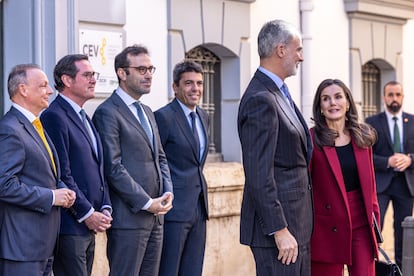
124	110
204	123
293	116
33	133
185	126
405	130
364	171
332	156
71	114
383	122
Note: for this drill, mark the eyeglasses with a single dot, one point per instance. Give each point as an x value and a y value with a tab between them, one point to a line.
142	69
89	75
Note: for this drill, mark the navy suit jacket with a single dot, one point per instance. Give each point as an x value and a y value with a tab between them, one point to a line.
29	224
185	166
82	170
276	148
383	149
135	172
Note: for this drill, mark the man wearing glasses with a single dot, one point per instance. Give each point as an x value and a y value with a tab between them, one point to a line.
81	162
136	168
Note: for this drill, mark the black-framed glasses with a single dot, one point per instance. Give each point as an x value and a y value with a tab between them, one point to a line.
90	75
142	69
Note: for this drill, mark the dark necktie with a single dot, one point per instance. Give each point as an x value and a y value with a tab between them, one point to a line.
397	141
144	122
89	130
195	132
285	91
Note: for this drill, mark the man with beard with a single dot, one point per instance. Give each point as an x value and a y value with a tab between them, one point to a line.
393	160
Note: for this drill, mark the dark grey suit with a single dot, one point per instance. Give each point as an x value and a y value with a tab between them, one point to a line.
276	151
29	224
135	173
185	225
393	186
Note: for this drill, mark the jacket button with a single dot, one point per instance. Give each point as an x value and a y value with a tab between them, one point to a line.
328	206
102	188
334	229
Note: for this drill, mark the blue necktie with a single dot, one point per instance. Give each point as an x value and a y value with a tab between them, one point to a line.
144	122
195	132
89	131
285	91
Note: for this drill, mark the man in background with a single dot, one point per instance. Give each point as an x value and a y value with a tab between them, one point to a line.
393	160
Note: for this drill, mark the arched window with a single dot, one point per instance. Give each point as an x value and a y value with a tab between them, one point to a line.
211	96
371	89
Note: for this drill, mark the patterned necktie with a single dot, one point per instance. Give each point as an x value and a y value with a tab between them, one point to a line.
285	91
397	141
89	131
144	122
195	132
39	128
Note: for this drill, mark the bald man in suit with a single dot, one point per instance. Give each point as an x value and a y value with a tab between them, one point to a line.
276	215
29	179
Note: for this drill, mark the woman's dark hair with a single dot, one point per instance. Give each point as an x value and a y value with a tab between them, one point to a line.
363	134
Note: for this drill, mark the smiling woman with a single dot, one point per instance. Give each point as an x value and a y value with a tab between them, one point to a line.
343	185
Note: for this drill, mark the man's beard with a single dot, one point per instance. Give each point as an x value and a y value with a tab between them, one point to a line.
394	107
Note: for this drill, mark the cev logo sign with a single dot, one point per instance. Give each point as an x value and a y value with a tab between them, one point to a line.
101	47
92	50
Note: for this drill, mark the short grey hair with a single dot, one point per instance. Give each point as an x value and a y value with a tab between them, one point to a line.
273	33
17	76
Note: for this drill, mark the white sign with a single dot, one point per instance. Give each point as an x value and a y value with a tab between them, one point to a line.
101	47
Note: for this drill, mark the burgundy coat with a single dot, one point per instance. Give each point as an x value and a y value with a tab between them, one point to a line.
332	235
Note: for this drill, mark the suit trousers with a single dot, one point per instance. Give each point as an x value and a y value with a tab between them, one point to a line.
135	252
40	268
74	255
362	254
402	203
267	263
184	245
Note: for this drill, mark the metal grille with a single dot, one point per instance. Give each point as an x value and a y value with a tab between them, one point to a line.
371	90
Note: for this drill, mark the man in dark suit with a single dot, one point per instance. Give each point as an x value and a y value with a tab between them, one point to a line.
136	168
393	160
276	215
81	162
29	178
185	141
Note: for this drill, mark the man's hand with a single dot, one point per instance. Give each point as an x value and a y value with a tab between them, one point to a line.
287	246
64	197
98	222
161	205
399	161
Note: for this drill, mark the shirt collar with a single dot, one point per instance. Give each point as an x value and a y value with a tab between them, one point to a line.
278	81
74	105
29	115
127	99
185	108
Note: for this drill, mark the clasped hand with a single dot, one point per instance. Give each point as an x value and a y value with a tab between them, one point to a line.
161	205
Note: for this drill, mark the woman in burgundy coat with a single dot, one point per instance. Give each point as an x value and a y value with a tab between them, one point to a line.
343	180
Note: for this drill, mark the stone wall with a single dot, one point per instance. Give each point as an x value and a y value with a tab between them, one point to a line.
224	254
